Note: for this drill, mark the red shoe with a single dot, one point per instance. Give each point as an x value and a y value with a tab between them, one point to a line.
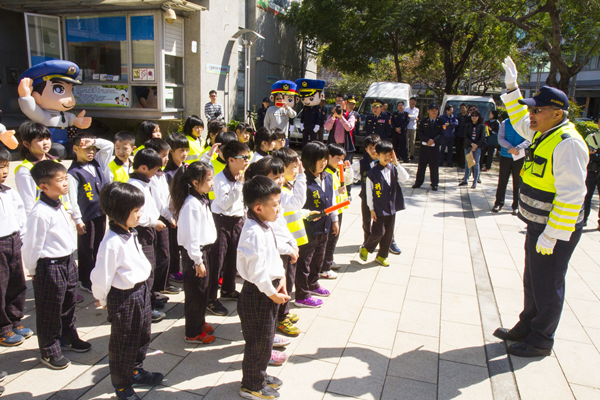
221	281
202	339
208	329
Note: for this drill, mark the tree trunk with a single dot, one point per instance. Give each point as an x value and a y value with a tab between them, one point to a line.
395	50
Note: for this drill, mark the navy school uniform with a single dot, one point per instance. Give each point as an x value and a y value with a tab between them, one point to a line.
399	140
312	254
387	200
365	166
378	125
88	200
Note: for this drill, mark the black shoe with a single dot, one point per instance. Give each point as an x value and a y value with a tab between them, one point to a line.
143	377
274	382
508	334
265	393
77	345
127	394
434	188
217	308
515	211
1	390
171	290
394	249
584	223
3	375
416	186
230	295
160	297
60	362
524	349
496	209
157	316
158	305
463	183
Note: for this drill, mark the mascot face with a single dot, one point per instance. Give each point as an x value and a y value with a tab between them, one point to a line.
313	100
57	95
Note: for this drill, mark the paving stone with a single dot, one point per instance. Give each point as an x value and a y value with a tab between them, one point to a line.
464	381
325	340
424	289
305	378
415	357
344	305
421	318
406	389
462	343
458	282
386	297
460	308
530	372
376	328
579	361
585	392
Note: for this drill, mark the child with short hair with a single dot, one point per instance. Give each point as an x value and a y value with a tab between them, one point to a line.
368	161
86	178
146	164
264	289
384	199
192	129
120	167
48	248
336	156
35	144
147	131
197	233
12	286
228	210
319	196
281	140
159	187
264	142
120	284
180	147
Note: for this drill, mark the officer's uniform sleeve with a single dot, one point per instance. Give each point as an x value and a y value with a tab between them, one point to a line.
519	117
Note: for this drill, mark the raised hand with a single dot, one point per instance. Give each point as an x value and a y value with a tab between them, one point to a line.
510	77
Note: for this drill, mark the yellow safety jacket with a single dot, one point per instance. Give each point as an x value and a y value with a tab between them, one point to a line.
120	174
28	164
336	188
195	150
138	149
295	223
218	166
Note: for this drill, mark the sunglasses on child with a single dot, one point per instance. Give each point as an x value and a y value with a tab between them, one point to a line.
244	157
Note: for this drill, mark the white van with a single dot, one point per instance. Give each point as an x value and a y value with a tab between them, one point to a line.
483	104
388	92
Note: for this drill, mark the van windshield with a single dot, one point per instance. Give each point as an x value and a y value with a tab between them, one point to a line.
484	107
365	107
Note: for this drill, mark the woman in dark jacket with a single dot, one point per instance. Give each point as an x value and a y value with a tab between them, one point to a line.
474	137
492	141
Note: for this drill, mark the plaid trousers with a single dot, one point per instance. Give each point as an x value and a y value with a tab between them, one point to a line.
309	265
330	249
196	294
12	283
224	254
147	238
55	289
87	248
290	277
161	252
130	316
257	314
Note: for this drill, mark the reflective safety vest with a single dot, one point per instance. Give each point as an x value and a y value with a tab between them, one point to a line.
119	172
336	188
28	164
218	166
295	223
195	150
537	204
138	149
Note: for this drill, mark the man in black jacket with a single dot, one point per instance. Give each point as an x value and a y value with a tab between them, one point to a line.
430	133
262	112
400	120
463	119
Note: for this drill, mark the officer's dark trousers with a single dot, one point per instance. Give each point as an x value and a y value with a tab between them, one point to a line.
312	135
592	181
429	156
399	141
544	287
382	234
508	167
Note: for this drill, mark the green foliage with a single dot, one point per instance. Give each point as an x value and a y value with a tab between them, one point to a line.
575	110
502	113
231	125
586	128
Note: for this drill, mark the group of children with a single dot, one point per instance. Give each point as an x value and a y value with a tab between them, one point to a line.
181	211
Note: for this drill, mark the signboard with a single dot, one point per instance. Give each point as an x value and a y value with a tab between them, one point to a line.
102	96
143	74
217	69
275	6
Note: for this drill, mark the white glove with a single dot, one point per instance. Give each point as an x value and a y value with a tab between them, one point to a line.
316	128
291	128
545	244
301	126
511	73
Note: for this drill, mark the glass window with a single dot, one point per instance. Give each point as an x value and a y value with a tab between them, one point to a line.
142	47
174	97
144	97
44	38
98	45
173	70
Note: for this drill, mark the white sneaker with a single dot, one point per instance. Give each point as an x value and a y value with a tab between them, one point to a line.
329	275
335	266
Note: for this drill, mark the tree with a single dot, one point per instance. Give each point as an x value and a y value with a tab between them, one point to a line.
567	30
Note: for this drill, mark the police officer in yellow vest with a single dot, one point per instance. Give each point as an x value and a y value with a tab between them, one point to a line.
551	203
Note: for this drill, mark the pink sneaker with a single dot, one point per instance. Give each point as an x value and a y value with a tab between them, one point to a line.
280	341
277	357
321	292
78	298
309	302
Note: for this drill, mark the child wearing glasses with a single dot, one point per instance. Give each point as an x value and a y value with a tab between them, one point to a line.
228	211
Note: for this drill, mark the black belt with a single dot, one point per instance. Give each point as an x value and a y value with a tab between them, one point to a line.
58	260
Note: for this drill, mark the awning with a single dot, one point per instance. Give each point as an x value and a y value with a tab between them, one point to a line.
53	7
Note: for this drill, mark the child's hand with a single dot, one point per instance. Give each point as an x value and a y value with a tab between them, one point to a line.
342	189
173	224
300	166
281	288
81	229
200	270
240	176
279	298
85	143
313	213
160	226
294	256
394	158
347	164
373	215
213	149
335	228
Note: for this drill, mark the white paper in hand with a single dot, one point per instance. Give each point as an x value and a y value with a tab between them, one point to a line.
518	156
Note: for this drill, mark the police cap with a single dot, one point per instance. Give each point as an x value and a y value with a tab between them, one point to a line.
548	96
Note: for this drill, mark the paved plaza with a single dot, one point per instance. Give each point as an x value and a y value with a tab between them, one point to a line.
418	329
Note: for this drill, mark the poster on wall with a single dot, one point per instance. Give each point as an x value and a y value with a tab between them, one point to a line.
275	6
102	96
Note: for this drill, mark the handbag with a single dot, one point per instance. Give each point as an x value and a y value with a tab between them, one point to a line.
470	159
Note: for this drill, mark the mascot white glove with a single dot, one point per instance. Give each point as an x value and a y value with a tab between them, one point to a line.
316	129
